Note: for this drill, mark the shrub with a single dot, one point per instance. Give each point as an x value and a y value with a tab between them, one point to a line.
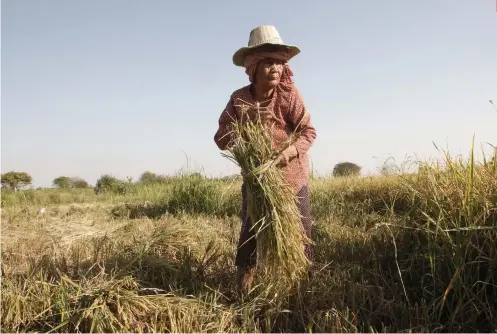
346	169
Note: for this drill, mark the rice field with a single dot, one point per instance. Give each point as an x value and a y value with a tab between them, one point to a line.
402	253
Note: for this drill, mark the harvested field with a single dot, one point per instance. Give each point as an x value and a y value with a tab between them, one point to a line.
402	253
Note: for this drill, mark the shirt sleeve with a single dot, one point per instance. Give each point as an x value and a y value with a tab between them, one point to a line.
301	120
223	137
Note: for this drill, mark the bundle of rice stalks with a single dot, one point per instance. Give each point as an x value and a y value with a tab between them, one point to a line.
271	204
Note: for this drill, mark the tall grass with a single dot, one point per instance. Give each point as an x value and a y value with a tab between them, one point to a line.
456	212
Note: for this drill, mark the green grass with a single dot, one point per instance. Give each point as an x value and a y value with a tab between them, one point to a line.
402	253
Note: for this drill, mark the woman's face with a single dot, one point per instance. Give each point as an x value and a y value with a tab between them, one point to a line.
268	73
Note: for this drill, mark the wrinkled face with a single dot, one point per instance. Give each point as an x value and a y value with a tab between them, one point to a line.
268	73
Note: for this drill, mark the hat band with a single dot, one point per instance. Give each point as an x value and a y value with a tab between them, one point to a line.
271	40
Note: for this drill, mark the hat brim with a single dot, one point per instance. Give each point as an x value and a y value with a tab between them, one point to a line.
239	56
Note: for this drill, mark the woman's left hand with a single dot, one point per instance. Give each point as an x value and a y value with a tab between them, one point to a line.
285	156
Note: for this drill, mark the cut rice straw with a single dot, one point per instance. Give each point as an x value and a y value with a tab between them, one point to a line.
272	205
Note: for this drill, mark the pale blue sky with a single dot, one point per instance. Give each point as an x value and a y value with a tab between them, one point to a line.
118	86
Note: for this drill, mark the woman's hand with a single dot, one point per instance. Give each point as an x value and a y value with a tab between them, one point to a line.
285	156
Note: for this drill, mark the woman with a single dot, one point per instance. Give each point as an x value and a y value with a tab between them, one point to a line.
280	104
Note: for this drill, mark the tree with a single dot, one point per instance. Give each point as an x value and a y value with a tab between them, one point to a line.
149	177
62	182
77	182
107	182
346	169
110	183
16	180
65	182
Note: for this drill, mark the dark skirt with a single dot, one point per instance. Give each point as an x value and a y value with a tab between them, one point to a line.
246	255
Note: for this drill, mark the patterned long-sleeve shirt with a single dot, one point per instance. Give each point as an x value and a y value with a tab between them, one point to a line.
287	106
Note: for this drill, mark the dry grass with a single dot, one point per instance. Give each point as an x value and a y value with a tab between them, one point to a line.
407	253
271	204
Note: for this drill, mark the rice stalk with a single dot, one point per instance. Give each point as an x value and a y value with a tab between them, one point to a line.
106	304
271	204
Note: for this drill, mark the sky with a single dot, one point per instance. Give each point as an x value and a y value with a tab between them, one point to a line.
121	87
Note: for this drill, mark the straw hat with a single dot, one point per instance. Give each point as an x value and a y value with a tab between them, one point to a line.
264	36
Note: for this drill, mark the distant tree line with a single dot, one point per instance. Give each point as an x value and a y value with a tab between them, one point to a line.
19	180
